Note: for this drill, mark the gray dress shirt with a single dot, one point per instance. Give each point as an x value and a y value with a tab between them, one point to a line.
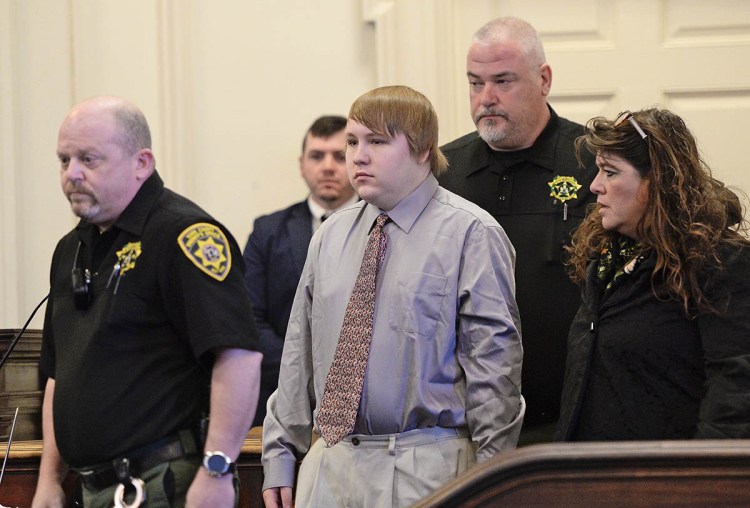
446	345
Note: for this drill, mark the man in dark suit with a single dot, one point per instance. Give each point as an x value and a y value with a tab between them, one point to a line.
276	249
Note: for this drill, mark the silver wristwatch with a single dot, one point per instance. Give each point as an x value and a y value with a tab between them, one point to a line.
218	464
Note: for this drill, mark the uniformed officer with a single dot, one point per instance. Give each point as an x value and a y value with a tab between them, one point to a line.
520	165
148	327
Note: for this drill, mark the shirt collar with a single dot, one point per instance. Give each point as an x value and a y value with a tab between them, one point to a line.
405	214
541	153
133	218
318	211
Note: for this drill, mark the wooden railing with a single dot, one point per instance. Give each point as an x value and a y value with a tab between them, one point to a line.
653	473
643	473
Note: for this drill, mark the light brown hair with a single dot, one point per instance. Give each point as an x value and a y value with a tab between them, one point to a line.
393	110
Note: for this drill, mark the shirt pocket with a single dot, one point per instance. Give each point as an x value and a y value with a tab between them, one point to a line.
416	305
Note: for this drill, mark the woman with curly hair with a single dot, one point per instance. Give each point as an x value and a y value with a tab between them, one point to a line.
660	348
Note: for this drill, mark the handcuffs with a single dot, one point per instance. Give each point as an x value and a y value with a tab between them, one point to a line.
123	473
140	494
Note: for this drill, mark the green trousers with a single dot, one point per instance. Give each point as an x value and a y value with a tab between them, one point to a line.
166	486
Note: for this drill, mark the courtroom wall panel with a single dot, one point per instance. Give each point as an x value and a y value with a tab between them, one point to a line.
229	88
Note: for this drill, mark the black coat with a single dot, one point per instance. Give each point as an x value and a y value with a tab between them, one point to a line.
638	368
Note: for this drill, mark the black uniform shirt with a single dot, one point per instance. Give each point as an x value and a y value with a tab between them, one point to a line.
133	366
515	188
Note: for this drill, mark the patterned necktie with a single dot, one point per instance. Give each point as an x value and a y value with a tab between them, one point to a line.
340	403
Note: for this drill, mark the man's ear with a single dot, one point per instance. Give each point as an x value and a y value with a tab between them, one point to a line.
423	157
545	72
144	161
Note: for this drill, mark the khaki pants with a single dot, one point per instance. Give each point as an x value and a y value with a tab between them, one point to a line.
382	471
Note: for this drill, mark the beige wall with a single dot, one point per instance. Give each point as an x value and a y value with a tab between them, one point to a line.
229	86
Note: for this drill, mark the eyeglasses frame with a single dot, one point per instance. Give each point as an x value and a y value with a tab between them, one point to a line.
627	115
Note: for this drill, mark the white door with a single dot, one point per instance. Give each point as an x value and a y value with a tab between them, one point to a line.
690	56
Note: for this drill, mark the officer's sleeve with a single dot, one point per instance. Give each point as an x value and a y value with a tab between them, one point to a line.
205	293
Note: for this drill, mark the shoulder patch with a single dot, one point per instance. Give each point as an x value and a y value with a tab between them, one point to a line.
207	247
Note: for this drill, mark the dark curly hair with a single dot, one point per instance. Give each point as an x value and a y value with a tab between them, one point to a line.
689	215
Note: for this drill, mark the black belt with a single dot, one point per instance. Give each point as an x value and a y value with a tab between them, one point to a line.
121	469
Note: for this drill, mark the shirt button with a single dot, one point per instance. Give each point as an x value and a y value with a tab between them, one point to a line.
355	441
501	198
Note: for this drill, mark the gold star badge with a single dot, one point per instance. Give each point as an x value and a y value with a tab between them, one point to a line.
206	246
127	255
564	188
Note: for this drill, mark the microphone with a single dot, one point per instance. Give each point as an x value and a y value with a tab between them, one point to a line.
15	340
81	281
